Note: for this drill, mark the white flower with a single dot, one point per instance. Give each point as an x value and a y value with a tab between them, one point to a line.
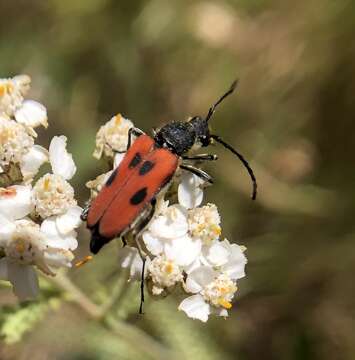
16	201
164	273
52	194
15	142
172	223
97	184
12	92
32	114
204	223
32	161
234	267
112	136
61	161
25	245
60	231
213	280
190	193
129	258
168	233
212	288
22	277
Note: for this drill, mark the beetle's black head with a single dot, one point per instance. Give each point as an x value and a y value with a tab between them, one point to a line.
180	137
202	131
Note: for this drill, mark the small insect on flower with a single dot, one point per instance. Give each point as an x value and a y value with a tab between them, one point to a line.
126	203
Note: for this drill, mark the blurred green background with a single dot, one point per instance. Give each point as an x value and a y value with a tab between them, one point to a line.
292	117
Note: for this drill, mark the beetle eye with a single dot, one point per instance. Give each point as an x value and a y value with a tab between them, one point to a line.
204	140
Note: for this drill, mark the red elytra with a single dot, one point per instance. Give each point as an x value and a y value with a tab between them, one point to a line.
142	173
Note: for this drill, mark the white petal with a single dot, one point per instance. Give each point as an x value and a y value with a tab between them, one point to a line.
199	278
117	159
235	267
6	229
216	254
32	161
32	114
182	250
154	244
55	239
194	265
62	162
69	220
172	224
195	307
16	201
190	194
24	281
220	312
129	259
58	257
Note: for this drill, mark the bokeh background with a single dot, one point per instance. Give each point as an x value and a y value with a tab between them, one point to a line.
293	119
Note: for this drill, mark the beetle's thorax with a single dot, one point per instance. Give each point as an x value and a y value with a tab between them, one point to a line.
179	137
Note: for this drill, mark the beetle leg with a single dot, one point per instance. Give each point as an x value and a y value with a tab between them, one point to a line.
84	213
202	157
136	233
198	172
133	131
124	242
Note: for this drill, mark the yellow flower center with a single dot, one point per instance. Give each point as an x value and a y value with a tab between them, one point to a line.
224	303
20	246
2	90
46	184
118	119
216	229
169	268
9	88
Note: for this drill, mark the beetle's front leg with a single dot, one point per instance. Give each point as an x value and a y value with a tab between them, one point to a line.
84	213
133	131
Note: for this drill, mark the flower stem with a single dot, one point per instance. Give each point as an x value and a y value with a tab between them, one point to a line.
136	337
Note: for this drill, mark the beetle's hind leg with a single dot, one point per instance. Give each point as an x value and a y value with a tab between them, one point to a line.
198	172
139	227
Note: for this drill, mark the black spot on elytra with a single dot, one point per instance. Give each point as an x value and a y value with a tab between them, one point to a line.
112	177
139	196
135	161
146	167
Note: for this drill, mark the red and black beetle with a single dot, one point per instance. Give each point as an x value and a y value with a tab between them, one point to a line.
127	200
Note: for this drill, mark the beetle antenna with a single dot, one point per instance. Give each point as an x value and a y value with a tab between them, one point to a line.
241	158
214	106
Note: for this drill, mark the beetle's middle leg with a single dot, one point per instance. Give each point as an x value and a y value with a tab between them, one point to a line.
198	172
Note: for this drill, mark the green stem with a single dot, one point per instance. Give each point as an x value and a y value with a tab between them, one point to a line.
136	337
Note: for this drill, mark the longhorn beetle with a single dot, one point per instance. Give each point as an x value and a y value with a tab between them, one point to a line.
127	201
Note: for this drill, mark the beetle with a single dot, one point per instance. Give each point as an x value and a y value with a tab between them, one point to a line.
127	200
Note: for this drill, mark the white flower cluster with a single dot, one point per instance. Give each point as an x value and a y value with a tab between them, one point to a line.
37	218
182	241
